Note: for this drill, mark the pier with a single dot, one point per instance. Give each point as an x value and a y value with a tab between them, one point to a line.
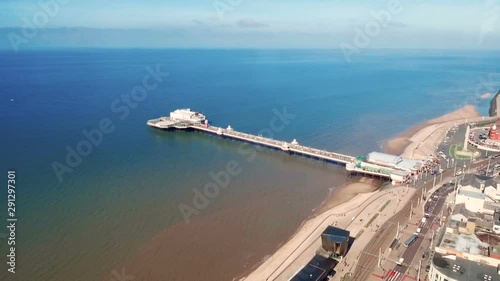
351	163
293	147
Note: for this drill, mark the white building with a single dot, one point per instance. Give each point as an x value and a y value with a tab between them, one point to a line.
452	268
473	201
187	115
395	162
478	193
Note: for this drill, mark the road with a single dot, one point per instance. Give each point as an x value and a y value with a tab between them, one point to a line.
433	207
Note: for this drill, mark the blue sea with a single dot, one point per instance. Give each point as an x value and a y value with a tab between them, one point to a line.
117	208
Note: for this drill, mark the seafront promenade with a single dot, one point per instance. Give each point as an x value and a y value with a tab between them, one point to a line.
361	216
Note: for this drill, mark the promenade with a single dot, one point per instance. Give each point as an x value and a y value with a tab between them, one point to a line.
353	215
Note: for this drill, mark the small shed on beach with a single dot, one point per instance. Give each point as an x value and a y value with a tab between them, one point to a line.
335	240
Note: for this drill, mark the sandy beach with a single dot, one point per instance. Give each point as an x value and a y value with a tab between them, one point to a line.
347	193
421	141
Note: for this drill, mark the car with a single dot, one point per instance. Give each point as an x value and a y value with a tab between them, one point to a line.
400	261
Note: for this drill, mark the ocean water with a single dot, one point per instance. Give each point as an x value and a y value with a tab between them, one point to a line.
118	208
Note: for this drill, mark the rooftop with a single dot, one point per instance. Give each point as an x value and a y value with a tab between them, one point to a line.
464	270
460	209
472	194
336	234
317	269
477	180
393	160
475	246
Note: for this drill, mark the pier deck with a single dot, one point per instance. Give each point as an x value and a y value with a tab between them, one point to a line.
290	147
285	146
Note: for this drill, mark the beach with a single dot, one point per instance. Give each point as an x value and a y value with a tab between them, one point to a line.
421	141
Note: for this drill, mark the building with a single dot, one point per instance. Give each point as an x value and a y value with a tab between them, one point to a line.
394	162
318	269
460	213
494	133
474	201
335	241
479	194
187	115
468	247
452	268
496	221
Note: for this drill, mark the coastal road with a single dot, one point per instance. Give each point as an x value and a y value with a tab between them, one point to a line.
433	207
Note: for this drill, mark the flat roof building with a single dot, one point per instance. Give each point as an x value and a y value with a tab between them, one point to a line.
317	269
393	161
467	246
453	268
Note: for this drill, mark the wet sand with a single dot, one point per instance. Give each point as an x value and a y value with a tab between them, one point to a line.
348	192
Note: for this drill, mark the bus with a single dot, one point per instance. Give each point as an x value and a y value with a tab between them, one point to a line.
411	240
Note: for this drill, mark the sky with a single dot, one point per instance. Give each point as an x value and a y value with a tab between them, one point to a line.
449	24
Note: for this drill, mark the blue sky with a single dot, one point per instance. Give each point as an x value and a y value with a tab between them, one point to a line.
255	23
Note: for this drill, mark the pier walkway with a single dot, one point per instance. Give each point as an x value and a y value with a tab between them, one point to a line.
285	146
351	163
